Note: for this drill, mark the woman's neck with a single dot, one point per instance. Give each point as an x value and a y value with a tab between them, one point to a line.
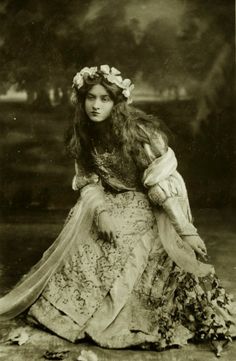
101	136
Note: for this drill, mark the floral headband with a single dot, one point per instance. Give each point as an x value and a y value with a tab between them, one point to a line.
112	75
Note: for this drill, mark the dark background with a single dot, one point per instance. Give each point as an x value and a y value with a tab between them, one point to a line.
179	54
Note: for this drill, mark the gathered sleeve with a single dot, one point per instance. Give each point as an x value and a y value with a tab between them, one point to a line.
165	186
83	177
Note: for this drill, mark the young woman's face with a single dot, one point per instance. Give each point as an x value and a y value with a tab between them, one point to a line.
98	103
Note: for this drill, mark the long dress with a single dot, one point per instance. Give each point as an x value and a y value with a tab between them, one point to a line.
140	293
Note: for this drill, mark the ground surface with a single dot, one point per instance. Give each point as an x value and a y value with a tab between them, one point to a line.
25	236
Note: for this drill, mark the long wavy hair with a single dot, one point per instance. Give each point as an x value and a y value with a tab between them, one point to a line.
123	125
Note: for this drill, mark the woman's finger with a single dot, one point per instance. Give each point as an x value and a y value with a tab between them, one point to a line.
203	248
113	239
200	251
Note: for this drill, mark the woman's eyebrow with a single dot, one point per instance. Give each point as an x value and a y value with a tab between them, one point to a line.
100	95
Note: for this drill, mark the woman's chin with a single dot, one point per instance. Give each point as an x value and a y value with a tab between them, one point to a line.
96	119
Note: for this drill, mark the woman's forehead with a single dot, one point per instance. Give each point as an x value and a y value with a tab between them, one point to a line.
98	90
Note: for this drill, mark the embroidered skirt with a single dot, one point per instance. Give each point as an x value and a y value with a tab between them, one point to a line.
133	294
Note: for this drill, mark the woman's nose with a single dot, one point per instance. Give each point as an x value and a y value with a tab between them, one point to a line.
96	104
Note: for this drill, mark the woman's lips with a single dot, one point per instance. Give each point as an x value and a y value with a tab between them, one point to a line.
95	113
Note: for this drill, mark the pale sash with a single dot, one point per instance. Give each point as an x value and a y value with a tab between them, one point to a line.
77	227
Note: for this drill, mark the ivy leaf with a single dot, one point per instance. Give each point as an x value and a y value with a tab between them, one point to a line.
18	336
55	355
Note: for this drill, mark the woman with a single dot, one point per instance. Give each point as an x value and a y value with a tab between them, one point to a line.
125	270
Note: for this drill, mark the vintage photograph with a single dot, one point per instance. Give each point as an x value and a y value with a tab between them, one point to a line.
118	180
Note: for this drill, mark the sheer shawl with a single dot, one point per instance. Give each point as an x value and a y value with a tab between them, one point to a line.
77	227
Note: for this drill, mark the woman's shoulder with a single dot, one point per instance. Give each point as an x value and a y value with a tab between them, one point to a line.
148	127
148	140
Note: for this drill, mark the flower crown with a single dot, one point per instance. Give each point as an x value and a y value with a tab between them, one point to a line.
112	75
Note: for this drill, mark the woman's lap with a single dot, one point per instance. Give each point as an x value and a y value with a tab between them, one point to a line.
91	268
125	296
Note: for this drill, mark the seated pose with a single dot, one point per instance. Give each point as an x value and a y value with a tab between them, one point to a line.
128	267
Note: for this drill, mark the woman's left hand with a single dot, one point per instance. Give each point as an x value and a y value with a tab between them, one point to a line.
197	244
107	228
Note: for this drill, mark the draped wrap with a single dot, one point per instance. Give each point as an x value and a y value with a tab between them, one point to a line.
163	171
77	227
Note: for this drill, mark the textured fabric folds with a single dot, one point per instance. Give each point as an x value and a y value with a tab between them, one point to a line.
178	250
160	169
32	284
176	220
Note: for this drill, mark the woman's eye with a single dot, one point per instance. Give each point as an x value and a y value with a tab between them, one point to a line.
90	97
106	99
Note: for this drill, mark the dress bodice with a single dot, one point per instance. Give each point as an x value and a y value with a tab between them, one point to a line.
118	172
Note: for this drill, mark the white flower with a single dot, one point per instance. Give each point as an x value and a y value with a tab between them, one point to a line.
78	81
126	93
126	83
87	356
90	71
105	69
114	79
115	71
111	74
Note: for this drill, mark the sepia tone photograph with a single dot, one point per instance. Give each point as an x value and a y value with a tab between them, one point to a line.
117	180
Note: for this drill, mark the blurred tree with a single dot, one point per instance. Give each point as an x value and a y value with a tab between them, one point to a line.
158	54
207	46
44	43
39	41
206	40
109	40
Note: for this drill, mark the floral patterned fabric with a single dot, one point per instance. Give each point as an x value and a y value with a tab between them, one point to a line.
133	294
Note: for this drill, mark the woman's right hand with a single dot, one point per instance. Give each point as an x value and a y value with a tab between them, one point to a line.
107	228
197	245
